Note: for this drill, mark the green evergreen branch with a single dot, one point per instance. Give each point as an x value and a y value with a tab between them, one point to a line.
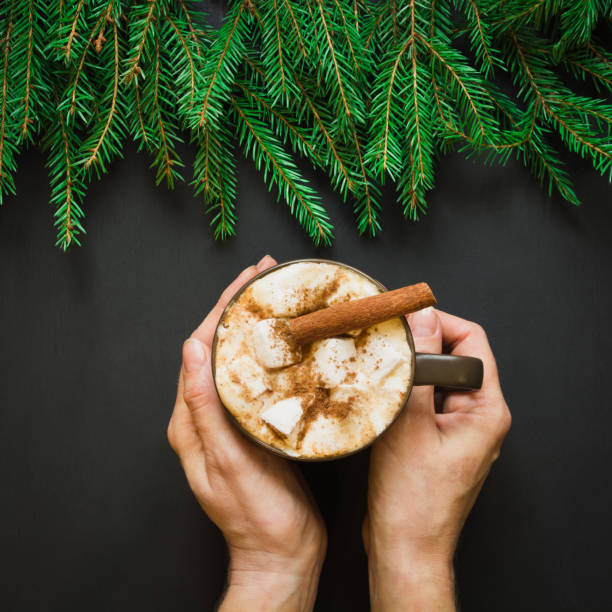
291	13
73	29
99	147
220	68
7	147
572	131
189	57
67	187
215	178
341	175
75	93
336	67
27	87
285	129
480	37
166	159
279	170
365	90
142	34
195	36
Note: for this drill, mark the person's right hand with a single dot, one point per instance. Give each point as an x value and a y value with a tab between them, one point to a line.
426	472
274	531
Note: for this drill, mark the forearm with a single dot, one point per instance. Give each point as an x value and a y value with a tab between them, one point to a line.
408	580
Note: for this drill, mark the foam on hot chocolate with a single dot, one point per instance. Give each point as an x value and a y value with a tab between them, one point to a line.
342	393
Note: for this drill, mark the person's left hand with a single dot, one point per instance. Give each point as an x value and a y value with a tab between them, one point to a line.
275	534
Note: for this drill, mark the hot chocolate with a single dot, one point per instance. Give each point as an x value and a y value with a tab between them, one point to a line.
337	394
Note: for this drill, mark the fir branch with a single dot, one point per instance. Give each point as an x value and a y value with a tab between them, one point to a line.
79	72
277	56
27	93
67	187
382	9
285	129
386	150
166	159
7	147
480	37
352	38
220	68
366	205
337	71
189	57
465	83
73	29
340	173
139	114
142	34
365	91
291	13
195	37
215	178
105	140
418	149
572	132
279	170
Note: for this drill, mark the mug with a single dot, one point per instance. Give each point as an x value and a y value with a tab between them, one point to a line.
449	372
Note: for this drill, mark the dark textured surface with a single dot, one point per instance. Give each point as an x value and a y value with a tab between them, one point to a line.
95	512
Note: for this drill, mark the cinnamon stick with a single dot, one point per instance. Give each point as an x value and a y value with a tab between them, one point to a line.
342	318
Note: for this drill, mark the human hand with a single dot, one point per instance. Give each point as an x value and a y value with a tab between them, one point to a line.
426	472
274	532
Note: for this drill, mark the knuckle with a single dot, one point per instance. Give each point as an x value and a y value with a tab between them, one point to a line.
195	392
222	460
479	331
505	422
171	434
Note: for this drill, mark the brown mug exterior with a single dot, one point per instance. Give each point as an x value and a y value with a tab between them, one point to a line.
452	372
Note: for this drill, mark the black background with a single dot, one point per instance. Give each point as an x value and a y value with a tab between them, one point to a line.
95	512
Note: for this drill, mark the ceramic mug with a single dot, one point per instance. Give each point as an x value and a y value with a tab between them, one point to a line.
449	372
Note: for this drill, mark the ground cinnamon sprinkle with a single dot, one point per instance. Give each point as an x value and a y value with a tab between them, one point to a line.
247	301
304	383
302	380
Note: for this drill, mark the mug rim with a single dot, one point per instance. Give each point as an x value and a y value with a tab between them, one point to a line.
270	447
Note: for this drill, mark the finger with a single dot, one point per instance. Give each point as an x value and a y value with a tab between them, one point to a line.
267	261
206	330
463	337
427	334
199	391
467	338
183	435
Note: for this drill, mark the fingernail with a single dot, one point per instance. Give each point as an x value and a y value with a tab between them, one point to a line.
266	260
424	323
193	355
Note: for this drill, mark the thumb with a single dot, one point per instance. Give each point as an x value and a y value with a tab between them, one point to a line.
199	391
427	334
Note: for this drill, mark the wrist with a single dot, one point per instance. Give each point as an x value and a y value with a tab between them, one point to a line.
411	575
263	581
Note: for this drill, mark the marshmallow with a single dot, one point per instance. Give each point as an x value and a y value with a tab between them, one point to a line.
346	392
331	359
380	359
283	416
347	292
282	292
271	349
251	375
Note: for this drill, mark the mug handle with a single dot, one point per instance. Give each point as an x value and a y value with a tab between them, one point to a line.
454	372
